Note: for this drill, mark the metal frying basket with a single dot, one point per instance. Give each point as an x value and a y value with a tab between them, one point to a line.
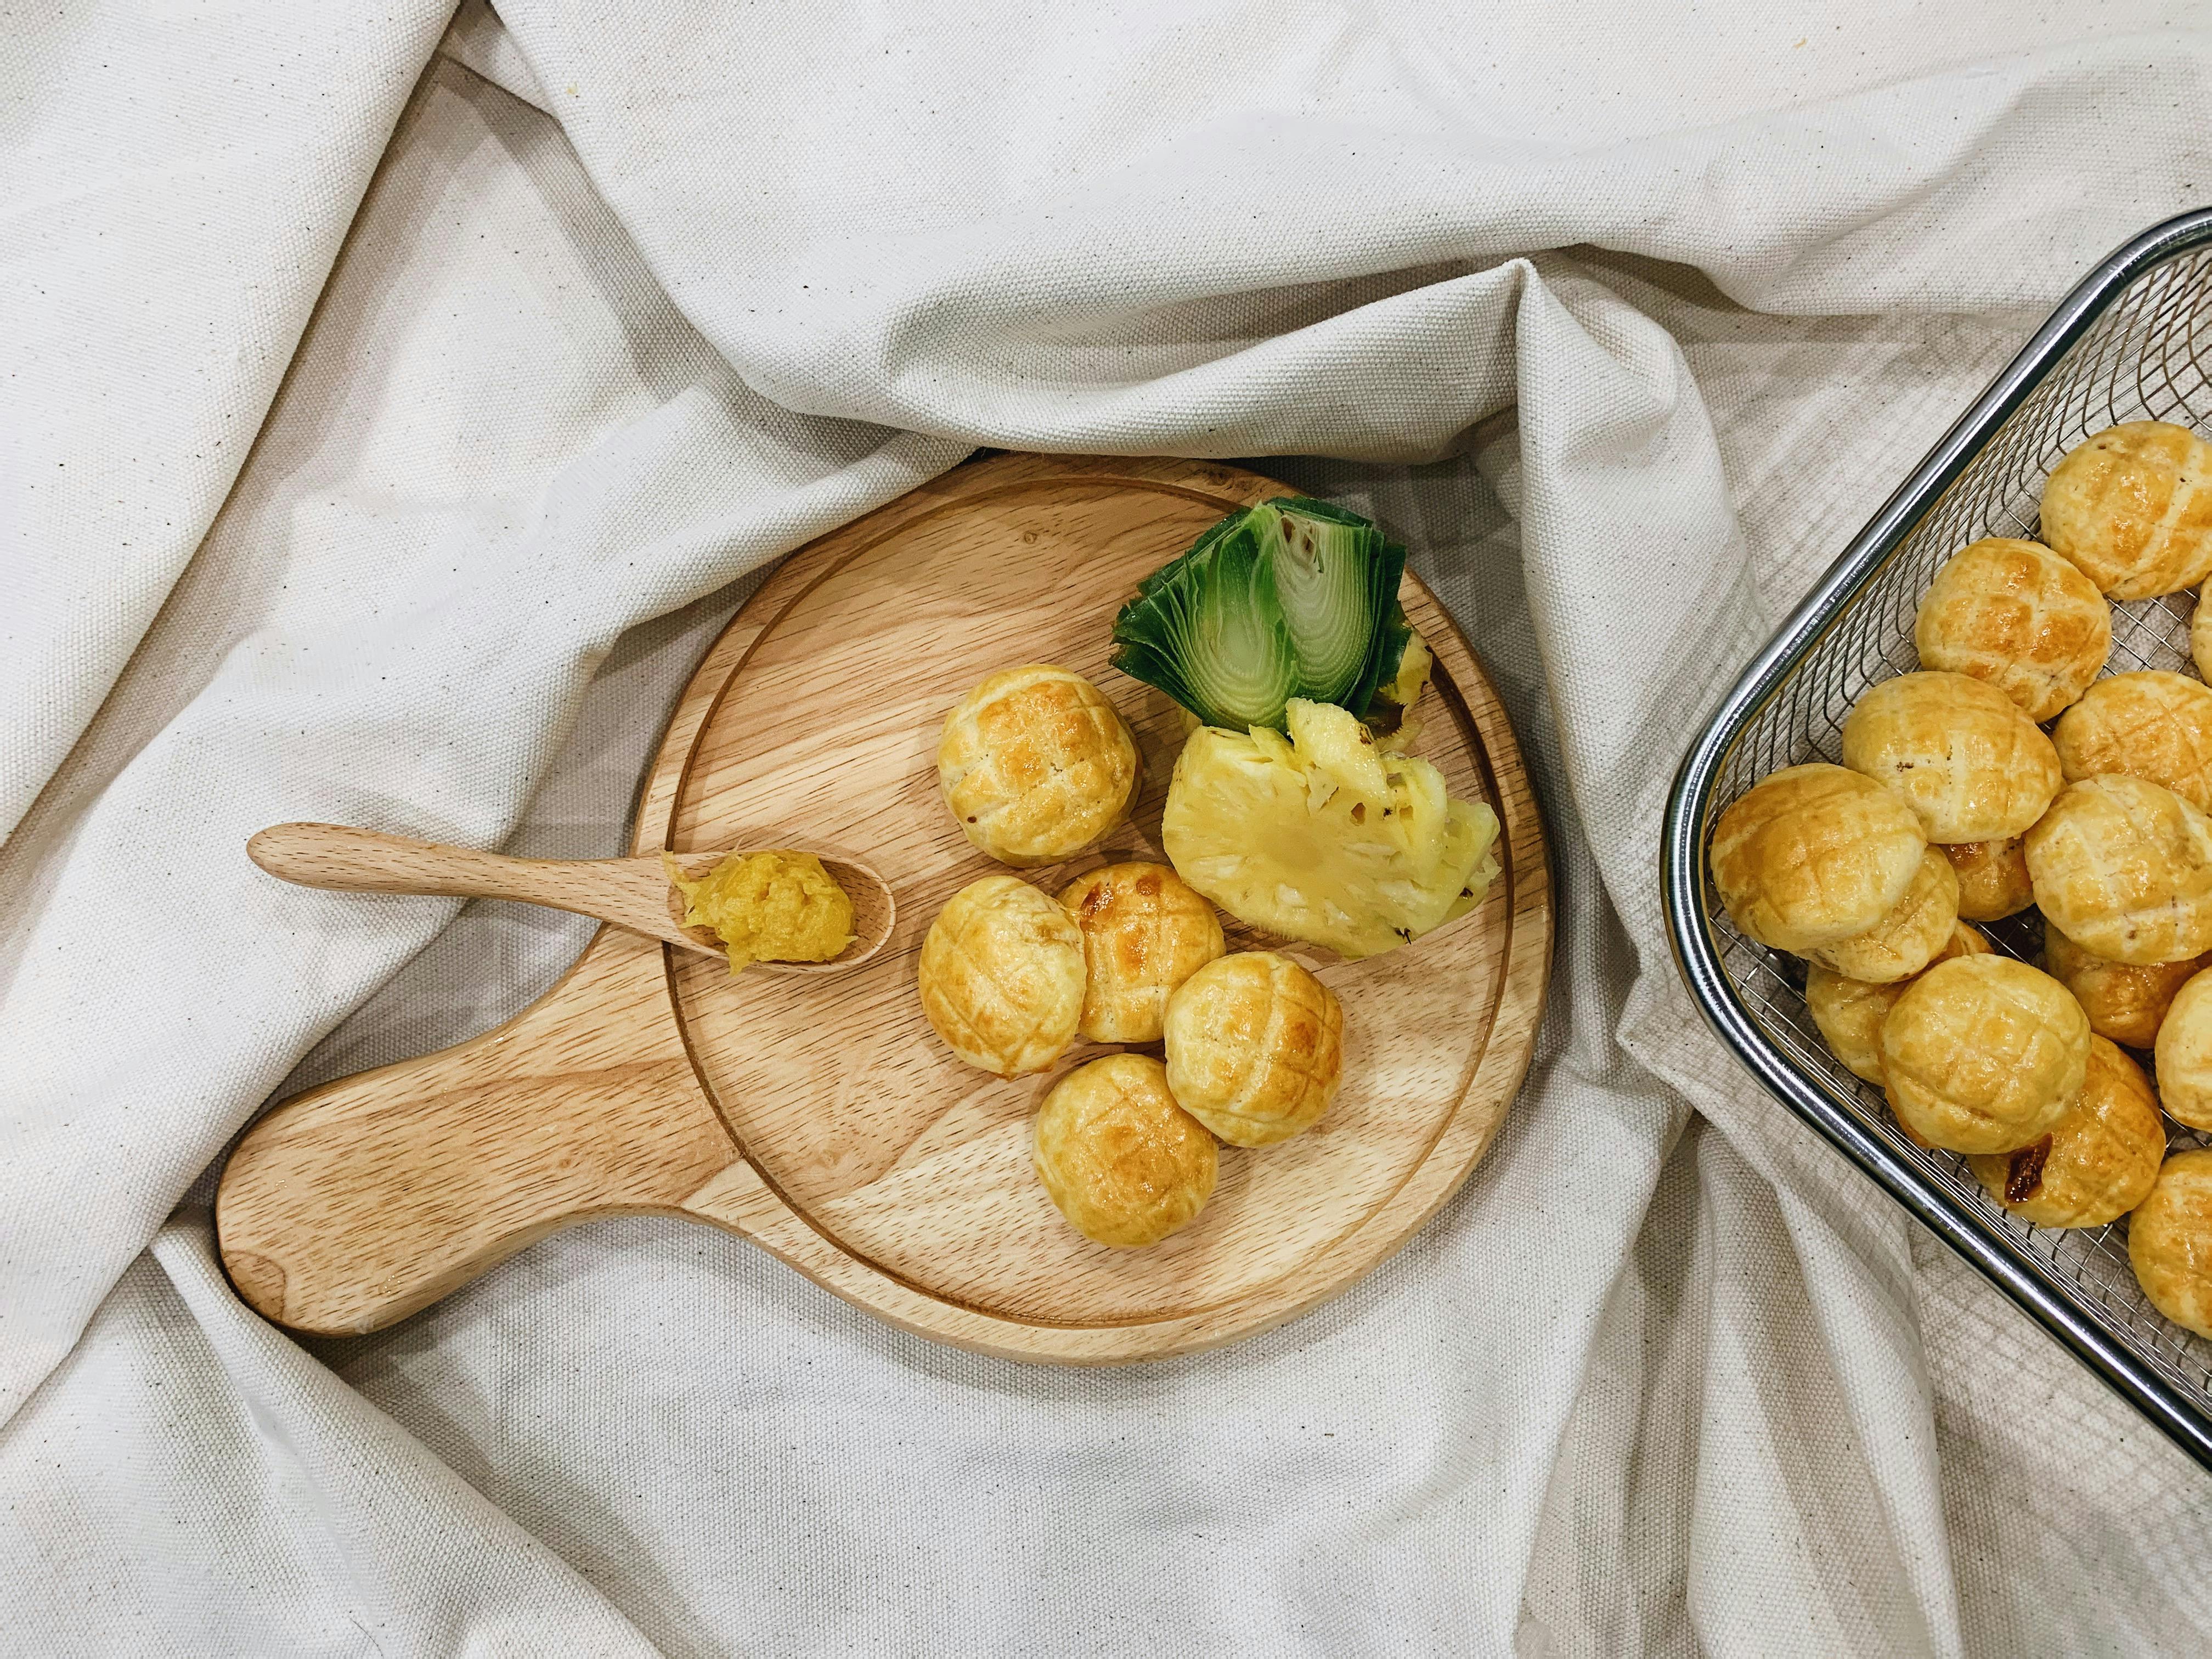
2133	342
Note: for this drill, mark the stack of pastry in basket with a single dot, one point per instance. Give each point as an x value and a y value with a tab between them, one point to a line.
2006	773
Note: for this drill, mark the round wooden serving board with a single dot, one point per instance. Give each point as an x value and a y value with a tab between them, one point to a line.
821	1117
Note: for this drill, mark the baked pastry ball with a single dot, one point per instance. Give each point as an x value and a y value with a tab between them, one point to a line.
1146	930
1001	976
2184	1053
1850	1012
2200	634
2097	1162
2016	614
1254	1046
2123	866
1037	765
1913	934
1992	875
1961	753
2124	1002
1119	1158
1983	1054
2170	1241
1811	855
2148	725
2132	507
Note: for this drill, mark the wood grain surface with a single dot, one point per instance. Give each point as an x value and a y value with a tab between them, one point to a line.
821	1117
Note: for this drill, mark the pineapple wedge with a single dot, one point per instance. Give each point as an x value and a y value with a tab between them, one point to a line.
1325	835
1393	715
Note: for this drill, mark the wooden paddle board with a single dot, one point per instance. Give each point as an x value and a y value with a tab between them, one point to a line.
822	1118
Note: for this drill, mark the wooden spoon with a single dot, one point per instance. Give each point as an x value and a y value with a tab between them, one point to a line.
633	893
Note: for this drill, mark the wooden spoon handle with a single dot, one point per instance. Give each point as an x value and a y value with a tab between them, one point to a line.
631	893
330	855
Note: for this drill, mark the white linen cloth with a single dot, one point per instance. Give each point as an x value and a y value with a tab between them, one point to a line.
1624	320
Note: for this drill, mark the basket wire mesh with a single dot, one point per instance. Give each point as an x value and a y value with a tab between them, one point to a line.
2140	349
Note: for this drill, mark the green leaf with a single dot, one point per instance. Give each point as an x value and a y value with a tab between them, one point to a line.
1289	598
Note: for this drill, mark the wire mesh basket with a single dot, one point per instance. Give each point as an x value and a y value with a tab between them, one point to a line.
2133	342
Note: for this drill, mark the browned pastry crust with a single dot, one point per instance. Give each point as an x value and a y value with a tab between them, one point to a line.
2185	1053
2170	1240
1850	1012
1037	765
1961	753
1912	935
2148	725
2124	1002
2123	868
1255	1048
1992	875
1118	1157
1815	853
1001	976
2098	1161
2015	614
2131	507
1983	1054
1145	931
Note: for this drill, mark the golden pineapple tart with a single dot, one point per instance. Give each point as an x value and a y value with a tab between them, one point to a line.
2015	614
2148	725
1255	1048
1037	765
1849	1012
2123	868
2170	1241
2131	507
2124	1002
2098	1161
1324	835
1913	934
1145	931
1119	1158
1001	976
2200	634
1813	854
2185	1054
1961	753
1992	875
1983	1054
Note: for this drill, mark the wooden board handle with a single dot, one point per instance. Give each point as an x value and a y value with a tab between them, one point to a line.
361	1201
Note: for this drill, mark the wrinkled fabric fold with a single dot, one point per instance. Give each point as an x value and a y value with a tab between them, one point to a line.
637	303
163	238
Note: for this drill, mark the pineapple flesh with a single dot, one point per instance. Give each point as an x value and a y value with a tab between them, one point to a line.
1391	716
1325	835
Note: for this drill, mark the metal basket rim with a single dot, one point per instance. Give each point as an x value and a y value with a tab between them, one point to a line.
2035	1285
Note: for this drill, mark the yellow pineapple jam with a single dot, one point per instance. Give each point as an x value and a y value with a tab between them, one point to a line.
768	907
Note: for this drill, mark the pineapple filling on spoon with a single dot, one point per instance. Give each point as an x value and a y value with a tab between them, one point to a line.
771	906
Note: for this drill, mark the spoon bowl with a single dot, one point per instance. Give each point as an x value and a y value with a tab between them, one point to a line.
632	893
